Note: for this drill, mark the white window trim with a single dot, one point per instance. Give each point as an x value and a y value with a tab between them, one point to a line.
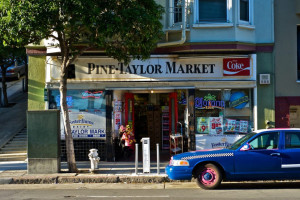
197	24
246	24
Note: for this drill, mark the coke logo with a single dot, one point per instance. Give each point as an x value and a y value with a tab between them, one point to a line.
236	67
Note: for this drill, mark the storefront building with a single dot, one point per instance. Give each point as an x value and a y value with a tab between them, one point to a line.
287	64
209	100
203	91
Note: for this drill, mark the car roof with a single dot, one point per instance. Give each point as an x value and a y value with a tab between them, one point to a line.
277	129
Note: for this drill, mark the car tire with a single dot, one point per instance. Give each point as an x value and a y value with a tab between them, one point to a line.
208	176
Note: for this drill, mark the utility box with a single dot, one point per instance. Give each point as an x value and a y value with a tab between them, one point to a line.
146	154
43	127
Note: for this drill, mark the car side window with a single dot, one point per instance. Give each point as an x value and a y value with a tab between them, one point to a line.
265	141
292	140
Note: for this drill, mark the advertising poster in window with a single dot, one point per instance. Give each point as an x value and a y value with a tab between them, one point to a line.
215	141
237	126
202	125
216	125
230	125
244	125
86	125
118	114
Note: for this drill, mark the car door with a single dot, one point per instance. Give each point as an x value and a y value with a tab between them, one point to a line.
291	154
262	161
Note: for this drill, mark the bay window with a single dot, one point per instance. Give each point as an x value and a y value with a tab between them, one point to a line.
213	11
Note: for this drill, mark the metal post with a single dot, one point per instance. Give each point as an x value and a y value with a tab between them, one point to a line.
158	161
136	157
23	84
0	97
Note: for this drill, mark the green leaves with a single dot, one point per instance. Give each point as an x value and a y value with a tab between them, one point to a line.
124	28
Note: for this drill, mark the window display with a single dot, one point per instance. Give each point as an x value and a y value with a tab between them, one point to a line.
87	112
226	111
80	100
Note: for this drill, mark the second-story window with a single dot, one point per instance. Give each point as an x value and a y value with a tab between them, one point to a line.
244	10
211	11
177	11
298	53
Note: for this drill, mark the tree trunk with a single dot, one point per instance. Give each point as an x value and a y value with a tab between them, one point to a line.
4	87
65	113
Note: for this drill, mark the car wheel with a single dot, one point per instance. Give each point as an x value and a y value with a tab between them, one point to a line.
208	176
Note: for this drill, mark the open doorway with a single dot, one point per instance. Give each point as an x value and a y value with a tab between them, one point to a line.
154	115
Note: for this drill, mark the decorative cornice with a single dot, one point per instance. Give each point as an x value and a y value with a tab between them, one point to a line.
211	47
185	48
36	50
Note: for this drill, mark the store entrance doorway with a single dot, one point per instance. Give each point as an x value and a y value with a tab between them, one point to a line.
153	115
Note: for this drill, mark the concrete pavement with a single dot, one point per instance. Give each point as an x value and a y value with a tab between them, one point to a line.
107	172
13	119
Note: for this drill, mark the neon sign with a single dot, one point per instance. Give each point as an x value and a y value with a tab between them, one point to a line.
209	102
91	94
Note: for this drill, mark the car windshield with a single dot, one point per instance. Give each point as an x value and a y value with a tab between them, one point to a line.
240	141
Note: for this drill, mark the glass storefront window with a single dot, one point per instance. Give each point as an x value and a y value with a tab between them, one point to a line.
87	112
226	111
80	100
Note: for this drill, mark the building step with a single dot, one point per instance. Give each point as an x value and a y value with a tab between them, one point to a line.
16	148
18	142
23	137
15	145
18	139
4	151
20	158
13	155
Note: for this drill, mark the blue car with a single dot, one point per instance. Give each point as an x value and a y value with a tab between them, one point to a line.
272	154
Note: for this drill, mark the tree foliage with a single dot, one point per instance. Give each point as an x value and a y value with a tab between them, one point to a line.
9	54
124	29
11	50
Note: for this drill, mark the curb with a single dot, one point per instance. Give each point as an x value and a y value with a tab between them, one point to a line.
84	179
5	181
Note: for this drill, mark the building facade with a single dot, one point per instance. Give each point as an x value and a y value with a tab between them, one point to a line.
287	63
209	82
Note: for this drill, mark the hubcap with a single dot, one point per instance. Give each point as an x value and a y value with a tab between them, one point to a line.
208	176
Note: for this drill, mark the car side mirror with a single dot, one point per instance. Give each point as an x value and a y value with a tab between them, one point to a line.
246	147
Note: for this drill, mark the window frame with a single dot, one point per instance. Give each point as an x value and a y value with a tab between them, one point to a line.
243	23
285	139
199	24
265	134
172	22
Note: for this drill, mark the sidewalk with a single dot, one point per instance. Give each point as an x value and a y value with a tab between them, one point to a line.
107	172
13	119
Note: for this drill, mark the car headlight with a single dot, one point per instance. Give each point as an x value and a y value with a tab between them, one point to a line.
179	162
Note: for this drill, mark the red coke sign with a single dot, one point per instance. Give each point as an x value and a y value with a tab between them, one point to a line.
236	66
